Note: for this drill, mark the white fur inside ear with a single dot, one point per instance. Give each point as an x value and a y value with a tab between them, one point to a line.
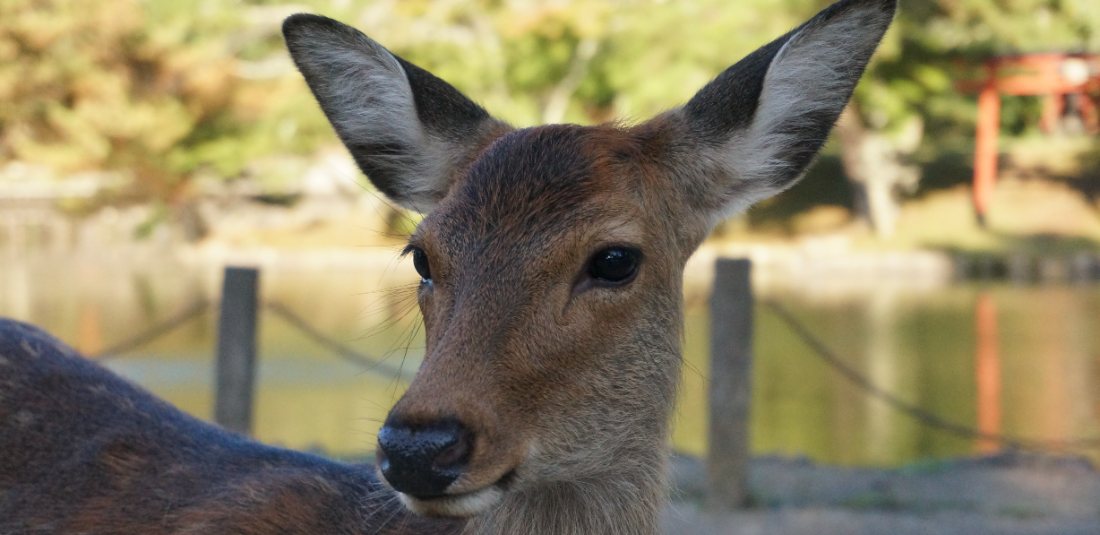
372	104
814	71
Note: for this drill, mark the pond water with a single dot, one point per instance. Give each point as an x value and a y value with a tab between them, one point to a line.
1031	368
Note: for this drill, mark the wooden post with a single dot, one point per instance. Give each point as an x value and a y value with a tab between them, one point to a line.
236	366
731	310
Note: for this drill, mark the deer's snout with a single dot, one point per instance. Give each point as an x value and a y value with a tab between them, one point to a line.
423	459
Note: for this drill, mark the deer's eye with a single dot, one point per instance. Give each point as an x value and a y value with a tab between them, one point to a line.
614	266
420	262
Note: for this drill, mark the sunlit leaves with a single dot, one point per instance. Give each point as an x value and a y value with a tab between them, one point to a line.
172	90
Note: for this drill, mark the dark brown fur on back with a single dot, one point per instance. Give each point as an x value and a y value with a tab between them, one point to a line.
83	451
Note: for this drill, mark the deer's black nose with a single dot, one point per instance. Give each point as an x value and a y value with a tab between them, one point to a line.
423	459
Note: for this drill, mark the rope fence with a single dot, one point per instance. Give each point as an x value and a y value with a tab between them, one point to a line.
822	351
730	376
201	307
367	362
162	328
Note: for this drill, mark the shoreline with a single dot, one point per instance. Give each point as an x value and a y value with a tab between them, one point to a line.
1004	493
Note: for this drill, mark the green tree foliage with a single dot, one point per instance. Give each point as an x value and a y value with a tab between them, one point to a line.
909	108
936	43
160	90
168	91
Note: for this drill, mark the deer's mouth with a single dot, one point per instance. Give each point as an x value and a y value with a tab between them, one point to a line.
462	504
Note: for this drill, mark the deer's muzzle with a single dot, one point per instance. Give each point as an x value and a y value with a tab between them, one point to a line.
422	460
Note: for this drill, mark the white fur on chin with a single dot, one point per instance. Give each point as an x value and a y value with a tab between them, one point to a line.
459	505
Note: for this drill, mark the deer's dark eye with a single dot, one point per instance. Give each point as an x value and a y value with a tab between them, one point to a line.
420	262
614	266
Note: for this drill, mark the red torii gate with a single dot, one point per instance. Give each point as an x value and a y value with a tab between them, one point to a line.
1056	77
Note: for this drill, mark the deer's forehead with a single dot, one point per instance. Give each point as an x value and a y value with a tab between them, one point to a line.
545	181
557	167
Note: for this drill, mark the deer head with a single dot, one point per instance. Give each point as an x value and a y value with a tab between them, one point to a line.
551	257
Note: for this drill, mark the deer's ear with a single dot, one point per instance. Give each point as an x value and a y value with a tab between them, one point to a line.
409	131
755	129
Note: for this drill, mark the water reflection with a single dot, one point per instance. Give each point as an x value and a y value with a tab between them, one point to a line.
1016	360
987	371
1033	377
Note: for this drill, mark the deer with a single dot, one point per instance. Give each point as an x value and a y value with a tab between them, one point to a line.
550	261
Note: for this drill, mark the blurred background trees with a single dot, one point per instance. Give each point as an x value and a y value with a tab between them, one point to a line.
164	93
908	101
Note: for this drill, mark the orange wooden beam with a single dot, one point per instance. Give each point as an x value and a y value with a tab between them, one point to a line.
985	150
1026	75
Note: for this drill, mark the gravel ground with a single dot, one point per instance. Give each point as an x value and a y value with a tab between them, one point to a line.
1009	494
813	521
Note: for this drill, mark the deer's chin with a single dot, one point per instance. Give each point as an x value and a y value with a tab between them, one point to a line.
457	505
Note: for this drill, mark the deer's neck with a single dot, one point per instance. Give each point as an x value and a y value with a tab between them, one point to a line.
624	501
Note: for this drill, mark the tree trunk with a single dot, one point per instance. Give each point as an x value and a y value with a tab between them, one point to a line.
876	168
